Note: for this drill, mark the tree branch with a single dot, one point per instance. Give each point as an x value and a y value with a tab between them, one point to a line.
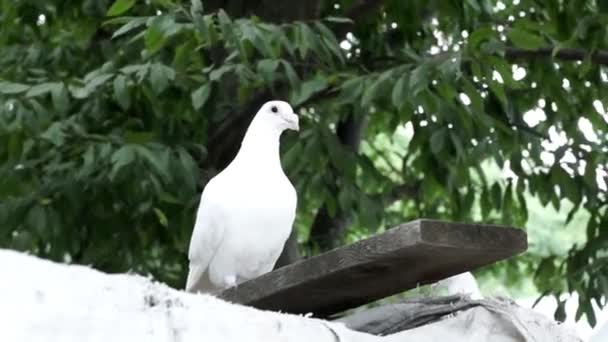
527	129
384	158
398	192
362	8
355	13
566	54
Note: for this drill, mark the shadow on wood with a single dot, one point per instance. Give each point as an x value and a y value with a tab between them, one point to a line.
412	254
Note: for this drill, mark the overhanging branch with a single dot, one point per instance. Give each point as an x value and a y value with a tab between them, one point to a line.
401	191
566	54
355	13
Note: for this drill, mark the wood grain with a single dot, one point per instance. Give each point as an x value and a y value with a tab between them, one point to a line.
412	254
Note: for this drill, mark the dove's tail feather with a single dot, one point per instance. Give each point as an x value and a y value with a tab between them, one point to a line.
198	280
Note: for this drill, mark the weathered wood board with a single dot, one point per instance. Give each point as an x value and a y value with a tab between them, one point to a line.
412	254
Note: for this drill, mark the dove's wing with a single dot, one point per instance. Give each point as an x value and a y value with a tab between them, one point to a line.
206	237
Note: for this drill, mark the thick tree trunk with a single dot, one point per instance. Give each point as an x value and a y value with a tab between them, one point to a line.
291	252
328	232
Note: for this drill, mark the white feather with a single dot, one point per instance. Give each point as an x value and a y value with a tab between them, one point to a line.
247	211
461	284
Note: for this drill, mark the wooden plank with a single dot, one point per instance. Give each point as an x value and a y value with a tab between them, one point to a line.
412	254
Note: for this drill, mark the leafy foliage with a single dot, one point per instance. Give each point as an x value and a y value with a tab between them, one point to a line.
110	111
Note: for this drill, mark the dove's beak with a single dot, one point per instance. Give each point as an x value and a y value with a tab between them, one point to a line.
293	122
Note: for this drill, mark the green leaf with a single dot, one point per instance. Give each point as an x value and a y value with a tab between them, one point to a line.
507	204
121	158
475	5
307	89
473	94
592	228
60	98
119	7
200	96
54	134
156	35
196	6
162	218
129	26
38	108
341	158
560	311
36	219
154	40
291	74
589	176
189	167
226	27
571	213
468	200
97	81
419	79
160	75
291	157
480	35
141	138
183	55
133	69
450	67
504	69
308	39
566	184
446	90
90	86
438	140
455	138
42	88
331	43
525	39
158	158
498	89
216	74
121	93
267	68
590	313
206	31
496	195
375	89
493	47
10	88
399	94
351	90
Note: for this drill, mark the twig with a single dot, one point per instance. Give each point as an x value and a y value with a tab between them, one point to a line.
565	54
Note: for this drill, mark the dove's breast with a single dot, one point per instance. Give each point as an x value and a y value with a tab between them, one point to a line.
258	220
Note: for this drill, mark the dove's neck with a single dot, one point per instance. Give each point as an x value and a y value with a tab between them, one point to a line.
260	146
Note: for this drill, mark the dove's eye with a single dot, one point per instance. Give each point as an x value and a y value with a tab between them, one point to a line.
274	109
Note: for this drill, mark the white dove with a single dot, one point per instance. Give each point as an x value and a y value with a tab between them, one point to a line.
460	284
246	211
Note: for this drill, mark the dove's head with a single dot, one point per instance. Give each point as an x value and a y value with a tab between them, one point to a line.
280	115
